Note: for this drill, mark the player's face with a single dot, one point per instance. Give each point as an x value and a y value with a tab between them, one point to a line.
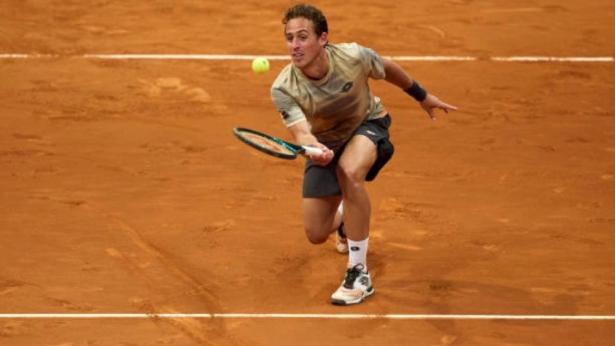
302	43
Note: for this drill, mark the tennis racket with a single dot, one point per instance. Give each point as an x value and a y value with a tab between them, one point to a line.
271	145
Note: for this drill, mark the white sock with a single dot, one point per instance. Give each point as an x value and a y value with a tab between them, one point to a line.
357	253
340	209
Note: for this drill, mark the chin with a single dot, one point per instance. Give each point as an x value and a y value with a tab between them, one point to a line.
301	63
298	64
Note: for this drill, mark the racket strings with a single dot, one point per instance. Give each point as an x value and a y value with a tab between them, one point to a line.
267	143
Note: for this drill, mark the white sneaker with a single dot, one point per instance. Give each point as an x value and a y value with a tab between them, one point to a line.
356	287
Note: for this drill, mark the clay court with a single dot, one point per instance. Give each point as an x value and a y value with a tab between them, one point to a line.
126	198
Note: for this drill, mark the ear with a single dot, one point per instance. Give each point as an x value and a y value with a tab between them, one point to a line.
324	38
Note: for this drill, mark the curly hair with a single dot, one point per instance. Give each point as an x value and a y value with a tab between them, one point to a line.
308	12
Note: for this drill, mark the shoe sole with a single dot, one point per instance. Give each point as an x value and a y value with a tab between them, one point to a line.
352	302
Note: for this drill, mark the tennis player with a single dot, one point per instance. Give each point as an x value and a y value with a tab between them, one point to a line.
324	99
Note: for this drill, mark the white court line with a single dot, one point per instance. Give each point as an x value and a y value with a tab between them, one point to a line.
308	316
285	57
184	56
432	58
547	58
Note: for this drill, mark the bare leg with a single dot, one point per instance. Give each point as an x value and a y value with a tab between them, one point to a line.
321	217
355	162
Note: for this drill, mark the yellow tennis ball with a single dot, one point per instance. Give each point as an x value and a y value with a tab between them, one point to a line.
260	65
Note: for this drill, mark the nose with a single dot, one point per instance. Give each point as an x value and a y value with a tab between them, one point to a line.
294	43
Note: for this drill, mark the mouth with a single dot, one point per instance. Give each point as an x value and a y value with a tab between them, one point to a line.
297	56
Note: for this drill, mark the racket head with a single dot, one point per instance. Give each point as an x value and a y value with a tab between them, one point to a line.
265	143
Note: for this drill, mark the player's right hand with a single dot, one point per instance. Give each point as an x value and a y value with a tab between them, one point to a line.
324	158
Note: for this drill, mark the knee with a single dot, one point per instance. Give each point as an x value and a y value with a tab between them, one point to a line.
350	175
316	236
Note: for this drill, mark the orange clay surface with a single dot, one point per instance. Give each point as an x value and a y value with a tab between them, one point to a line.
123	190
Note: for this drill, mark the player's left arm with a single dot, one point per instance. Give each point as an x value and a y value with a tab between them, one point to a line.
396	75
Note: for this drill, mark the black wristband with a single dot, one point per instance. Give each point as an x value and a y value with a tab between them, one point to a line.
416	91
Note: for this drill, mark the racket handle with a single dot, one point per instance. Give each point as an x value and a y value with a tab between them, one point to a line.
312	150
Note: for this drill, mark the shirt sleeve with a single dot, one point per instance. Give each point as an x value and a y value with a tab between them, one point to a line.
372	62
289	109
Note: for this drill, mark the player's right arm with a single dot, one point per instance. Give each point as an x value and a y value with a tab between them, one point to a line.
303	136
295	119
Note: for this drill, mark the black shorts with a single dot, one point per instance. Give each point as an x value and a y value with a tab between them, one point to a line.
321	181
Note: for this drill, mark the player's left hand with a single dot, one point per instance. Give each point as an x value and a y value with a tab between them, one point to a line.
431	102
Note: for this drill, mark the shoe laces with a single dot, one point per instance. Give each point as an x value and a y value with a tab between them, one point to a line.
352	274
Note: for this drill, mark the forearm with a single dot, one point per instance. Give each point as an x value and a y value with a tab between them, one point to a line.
302	135
395	75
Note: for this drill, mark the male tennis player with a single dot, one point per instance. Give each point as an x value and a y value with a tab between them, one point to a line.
325	101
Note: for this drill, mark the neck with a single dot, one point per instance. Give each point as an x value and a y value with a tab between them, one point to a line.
318	69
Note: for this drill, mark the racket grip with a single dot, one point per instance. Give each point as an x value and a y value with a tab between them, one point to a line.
312	150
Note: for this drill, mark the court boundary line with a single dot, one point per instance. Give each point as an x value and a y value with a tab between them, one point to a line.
300	316
285	57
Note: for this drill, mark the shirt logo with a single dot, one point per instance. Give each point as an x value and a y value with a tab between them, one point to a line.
284	115
347	87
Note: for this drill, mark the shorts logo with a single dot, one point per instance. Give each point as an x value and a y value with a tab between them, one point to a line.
370	132
347	87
